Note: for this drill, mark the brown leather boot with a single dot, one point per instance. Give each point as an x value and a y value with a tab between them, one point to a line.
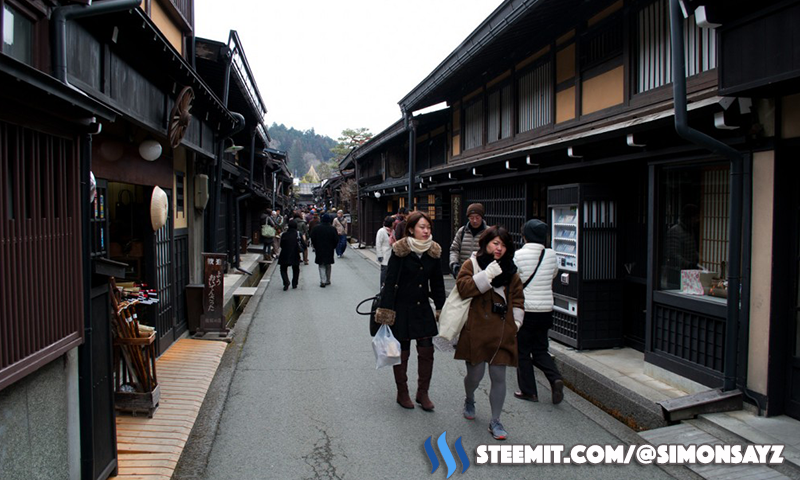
425	370
401	379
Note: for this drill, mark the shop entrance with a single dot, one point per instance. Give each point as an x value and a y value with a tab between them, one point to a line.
148	254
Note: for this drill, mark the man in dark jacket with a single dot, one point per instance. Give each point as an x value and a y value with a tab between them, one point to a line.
324	238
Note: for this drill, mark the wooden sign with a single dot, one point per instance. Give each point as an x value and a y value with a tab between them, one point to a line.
213	317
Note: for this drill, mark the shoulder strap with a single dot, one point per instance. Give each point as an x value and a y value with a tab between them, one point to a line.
535	270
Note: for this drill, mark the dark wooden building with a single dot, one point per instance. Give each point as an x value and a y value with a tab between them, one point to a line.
565	111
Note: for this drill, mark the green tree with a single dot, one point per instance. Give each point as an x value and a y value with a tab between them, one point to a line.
349	141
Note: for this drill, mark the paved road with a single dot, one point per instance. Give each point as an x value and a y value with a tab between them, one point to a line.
306	401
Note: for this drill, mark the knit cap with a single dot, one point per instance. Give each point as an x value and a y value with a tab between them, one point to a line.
475	208
535	231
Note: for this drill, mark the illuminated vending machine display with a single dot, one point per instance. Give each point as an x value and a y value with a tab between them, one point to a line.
565	237
587	293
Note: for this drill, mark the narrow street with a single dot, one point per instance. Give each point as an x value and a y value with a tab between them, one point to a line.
307	402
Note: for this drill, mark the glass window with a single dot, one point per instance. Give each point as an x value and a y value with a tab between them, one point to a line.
693	222
17	35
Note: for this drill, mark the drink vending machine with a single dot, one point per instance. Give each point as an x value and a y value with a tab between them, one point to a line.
584	222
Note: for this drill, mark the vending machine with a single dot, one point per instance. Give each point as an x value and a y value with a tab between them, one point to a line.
584	221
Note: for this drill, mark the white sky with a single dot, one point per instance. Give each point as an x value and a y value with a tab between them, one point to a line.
336	64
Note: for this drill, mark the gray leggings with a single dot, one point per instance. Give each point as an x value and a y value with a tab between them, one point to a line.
497	393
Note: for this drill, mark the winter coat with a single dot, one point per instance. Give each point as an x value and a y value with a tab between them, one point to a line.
461	250
324	238
420	278
290	250
383	248
539	292
487	336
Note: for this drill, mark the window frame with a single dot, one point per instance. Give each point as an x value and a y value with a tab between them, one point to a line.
662	284
35	11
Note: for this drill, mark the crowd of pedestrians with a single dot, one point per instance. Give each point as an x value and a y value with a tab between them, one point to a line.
510	298
508	290
289	238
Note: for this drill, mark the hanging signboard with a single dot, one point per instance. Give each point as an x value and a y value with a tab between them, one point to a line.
213	317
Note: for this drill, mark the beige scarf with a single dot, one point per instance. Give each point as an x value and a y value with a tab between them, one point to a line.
419	246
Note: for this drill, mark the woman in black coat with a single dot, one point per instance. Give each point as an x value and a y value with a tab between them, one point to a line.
324	238
414	275
290	255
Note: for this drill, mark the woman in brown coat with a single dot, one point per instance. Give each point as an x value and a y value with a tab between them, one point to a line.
495	315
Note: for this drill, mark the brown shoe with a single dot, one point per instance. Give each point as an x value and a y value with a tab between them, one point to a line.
558	392
523	396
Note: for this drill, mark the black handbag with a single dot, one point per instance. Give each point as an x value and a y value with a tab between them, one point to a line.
376	302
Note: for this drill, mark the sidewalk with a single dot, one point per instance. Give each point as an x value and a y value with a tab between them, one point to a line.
621	383
151	448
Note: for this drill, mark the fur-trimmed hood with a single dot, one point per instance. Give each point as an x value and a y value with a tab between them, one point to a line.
401	248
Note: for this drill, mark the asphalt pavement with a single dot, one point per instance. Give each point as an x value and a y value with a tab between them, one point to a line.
306	401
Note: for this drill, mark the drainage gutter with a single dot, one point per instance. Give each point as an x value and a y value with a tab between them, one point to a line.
737	190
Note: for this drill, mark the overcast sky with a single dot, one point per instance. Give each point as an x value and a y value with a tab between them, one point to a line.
336	64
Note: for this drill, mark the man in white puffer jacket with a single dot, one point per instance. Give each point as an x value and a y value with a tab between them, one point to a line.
532	340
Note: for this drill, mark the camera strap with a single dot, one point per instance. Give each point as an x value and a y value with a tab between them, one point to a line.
525	285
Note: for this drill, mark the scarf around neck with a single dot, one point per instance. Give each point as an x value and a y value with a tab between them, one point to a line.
419	246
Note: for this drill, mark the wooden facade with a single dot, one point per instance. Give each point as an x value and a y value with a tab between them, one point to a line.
123	76
579	92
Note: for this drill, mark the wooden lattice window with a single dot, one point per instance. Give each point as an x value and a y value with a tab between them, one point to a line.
535	98
654	52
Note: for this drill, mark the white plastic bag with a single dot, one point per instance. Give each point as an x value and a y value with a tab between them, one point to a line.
386	348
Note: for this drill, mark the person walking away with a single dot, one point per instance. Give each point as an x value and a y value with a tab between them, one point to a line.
290	255
399	225
537	268
313	223
466	240
325	239
414	275
383	249
268	234
495	315
302	229
341	229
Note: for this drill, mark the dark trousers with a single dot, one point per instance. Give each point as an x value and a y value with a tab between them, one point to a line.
532	343
342	245
295	274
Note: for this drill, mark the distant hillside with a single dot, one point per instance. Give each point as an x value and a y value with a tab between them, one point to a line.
304	148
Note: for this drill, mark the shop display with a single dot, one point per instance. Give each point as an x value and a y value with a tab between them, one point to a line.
565	237
135	380
130	291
